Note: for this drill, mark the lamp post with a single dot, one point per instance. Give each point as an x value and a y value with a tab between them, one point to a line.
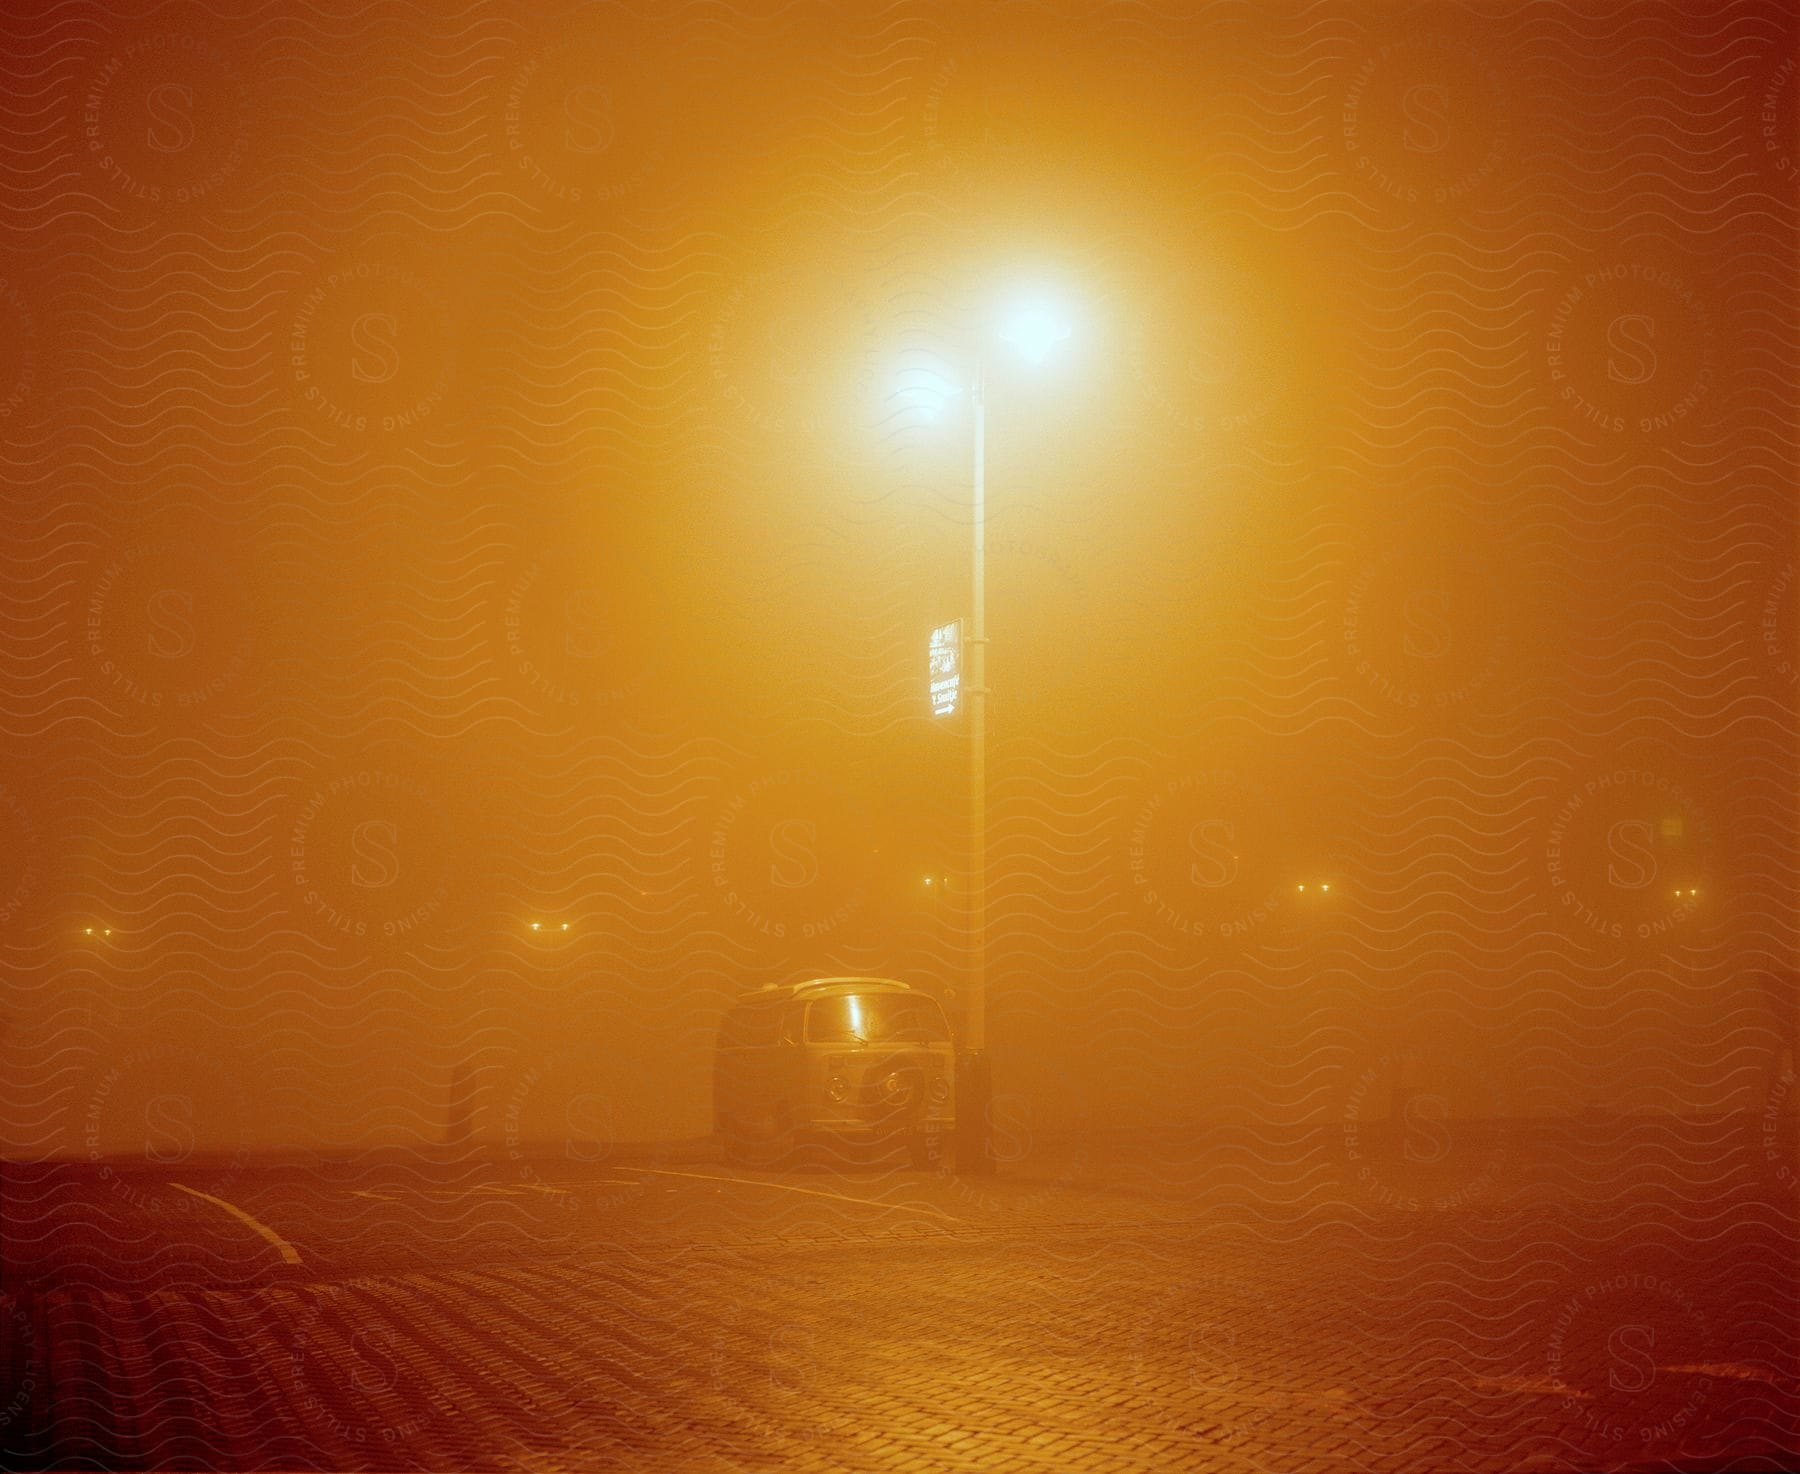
974	1078
1034	332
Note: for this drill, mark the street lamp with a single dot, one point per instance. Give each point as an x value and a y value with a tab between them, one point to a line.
1033	330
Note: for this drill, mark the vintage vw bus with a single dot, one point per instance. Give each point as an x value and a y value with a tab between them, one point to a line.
849	1061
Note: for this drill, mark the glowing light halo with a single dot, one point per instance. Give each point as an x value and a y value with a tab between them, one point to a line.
926	391
1034	330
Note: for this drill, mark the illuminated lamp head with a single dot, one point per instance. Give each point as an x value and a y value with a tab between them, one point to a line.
1034	330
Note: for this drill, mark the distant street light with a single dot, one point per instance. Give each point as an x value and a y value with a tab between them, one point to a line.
1033	330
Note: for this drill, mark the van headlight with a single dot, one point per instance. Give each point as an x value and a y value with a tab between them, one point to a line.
838	1088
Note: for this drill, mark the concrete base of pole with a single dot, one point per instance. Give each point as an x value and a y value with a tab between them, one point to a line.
974	1116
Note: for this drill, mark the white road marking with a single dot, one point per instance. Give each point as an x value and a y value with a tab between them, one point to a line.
289	1254
516	1187
604	1182
451	1194
809	1191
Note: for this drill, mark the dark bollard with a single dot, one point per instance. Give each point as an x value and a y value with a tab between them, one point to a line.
459	1122
974	1123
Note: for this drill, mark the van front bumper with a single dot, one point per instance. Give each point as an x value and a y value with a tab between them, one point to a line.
867	1131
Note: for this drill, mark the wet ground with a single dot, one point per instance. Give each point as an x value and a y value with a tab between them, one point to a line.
1523	1300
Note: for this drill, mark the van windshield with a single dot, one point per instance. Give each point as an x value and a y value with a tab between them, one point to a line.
875	1018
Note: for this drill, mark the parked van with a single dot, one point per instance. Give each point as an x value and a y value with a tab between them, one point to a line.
854	1061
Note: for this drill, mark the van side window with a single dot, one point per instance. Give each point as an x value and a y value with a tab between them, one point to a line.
749	1026
792	1017
732	1029
760	1023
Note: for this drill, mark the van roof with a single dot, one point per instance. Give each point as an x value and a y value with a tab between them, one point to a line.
769	992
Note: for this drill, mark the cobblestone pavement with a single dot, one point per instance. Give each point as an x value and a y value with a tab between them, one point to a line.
1088	1310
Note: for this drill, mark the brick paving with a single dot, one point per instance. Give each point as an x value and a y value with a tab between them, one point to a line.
892	1322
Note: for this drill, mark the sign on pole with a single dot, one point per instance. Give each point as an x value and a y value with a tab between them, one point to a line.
945	668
